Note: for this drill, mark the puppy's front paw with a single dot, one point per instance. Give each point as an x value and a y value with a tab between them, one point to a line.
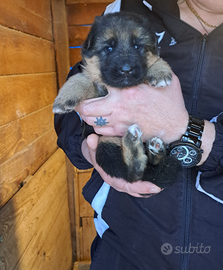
156	150
78	88
159	74
160	79
63	106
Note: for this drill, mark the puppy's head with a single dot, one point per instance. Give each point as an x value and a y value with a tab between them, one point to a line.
117	48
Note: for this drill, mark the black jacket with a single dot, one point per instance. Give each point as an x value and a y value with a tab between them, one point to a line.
182	227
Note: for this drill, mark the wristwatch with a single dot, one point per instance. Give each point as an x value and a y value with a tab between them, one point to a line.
187	150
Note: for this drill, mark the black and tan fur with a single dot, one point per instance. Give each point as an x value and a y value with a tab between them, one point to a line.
121	51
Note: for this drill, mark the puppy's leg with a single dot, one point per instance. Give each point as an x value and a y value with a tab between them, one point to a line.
123	157
109	156
78	88
159	73
161	169
156	150
134	153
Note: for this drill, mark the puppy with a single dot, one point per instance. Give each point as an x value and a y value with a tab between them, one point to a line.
121	51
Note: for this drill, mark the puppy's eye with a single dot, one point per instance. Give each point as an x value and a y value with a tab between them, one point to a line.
136	47
109	48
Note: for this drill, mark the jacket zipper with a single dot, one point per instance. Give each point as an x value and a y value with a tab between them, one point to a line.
198	76
187	220
189	172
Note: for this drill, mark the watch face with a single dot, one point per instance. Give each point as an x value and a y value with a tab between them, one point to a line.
188	155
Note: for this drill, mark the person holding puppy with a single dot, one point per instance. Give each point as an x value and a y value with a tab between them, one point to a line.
179	227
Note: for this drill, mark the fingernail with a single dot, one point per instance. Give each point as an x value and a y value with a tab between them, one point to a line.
155	190
147	194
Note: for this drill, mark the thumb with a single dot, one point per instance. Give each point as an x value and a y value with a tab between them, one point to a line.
92	142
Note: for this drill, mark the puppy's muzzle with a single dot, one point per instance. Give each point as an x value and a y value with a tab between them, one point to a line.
126	70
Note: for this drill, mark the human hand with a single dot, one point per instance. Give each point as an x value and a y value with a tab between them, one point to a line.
140	189
157	111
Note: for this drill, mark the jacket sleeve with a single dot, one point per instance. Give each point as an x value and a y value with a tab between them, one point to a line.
69	132
210	175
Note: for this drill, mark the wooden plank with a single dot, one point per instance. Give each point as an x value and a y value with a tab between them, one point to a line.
82	14
78	34
85	265
25	163
21	53
41	7
75	56
18	134
88	235
28	237
85	208
68	2
49	248
35	224
71	176
77	216
17	16
24	94
61	41
82	208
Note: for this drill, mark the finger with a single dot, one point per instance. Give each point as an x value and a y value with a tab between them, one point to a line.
92	143
142	189
95	107
100	121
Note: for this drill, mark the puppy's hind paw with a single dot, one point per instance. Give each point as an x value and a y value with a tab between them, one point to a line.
134	153
156	146
134	132
156	150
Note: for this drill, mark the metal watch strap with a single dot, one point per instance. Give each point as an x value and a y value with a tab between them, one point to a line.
194	131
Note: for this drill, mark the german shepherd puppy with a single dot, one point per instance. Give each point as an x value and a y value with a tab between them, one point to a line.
121	51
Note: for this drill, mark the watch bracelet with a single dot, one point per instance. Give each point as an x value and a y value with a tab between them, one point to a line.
194	131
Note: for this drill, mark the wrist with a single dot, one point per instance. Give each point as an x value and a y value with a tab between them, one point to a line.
207	139
176	130
195	145
189	149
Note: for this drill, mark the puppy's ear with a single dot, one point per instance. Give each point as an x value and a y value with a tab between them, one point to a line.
88	48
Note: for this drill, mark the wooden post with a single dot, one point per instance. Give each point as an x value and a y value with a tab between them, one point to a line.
61	40
61	43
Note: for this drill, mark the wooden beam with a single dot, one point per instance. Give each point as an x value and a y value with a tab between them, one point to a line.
61	41
71	176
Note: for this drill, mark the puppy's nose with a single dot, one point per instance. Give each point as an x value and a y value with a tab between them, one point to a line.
126	69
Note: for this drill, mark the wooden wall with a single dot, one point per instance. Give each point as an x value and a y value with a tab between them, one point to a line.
34	215
28	87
